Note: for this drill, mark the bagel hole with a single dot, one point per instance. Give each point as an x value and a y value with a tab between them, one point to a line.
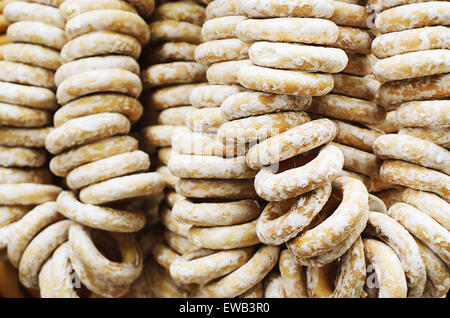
298	161
328	209
107	246
81	290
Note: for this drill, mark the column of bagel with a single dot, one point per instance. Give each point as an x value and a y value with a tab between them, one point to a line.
215	205
28	211
312	209
412	45
101	165
352	100
3	27
172	73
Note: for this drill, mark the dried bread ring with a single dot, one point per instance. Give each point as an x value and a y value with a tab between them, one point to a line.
308	30
106	80
285	82
353	86
273	286
178	243
107	168
171	52
103	218
424	113
27	227
27	11
55	279
225	73
171	96
37	32
26	74
430	204
359	161
260	127
175	31
216	189
82	130
224	237
292	276
18	175
349	14
245	277
200	269
384	4
204	119
108	20
215	214
387	266
24	137
99	274
429	87
292	142
39	250
412	149
403	244
223	8
438	135
415	15
99	103
96	63
395	43
19	116
416	177
438	274
70	8
350	278
273	186
421	225
298	57
413	64
283	220
221	50
209	167
212	95
334	230
158	135
354	40
173	73
63	163
221	28
174	116
22	157
32	54
164	154
355	136
247	104
168	220
121	188
347	108
35	97
100	43
390	197
289	8
27	193
180	11
204	144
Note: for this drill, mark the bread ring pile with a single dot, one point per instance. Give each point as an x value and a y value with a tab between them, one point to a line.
299	149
